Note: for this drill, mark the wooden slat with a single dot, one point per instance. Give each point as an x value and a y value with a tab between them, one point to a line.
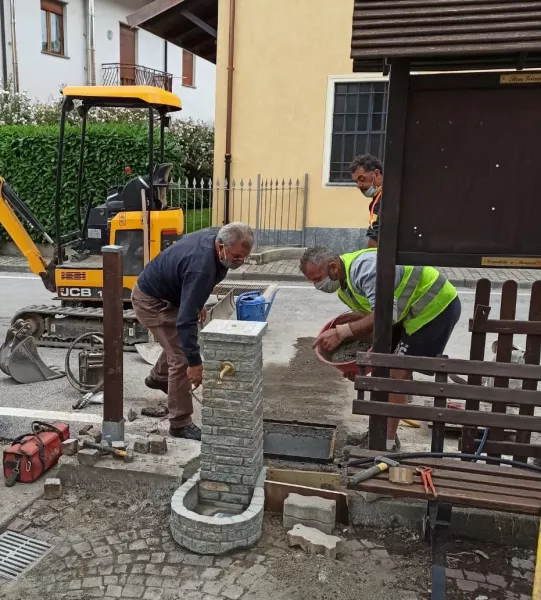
457	465
449	365
507	326
454	496
477	354
532	356
509	448
447	415
316	479
450	390
507	485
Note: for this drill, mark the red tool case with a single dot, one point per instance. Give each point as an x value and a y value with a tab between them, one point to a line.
30	455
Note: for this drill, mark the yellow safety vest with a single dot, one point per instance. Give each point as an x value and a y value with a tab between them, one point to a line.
422	294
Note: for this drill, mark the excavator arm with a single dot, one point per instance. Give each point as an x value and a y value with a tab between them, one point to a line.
10	205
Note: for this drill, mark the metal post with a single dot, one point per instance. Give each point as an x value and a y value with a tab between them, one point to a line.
257	212
113	344
304	206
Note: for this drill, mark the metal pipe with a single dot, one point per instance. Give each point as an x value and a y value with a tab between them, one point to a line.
165	56
58	233
113	344
91	43
229	109
162	138
4	44
80	174
14	59
150	157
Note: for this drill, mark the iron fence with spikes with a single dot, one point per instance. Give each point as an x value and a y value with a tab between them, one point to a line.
275	208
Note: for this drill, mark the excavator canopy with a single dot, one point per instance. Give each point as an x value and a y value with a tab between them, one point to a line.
126	96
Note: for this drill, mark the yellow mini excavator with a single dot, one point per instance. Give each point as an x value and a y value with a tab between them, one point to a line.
134	216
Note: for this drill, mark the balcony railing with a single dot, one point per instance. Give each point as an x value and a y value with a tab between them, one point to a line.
121	74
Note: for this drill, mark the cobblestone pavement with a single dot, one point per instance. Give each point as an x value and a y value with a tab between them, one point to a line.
112	548
288	270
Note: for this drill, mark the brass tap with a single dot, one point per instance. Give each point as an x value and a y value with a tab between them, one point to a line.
228	368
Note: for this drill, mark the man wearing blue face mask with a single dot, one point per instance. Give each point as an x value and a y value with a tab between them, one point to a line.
170	297
367	173
426	307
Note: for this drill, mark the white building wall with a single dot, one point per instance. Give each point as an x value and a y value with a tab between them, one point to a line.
42	75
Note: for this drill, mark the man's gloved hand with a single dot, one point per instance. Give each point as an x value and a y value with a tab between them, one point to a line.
329	340
195	375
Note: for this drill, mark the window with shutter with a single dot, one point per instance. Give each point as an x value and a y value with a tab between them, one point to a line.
52	27
188	69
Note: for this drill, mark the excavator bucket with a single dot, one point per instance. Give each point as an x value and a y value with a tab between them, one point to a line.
19	357
223	309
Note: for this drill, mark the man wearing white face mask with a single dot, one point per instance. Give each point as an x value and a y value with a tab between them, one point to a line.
426	307
170	297
367	173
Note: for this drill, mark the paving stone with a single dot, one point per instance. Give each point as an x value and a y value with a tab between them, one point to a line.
454	573
467	586
103	551
133	591
152	569
175	557
120	569
498	580
89	582
157	557
143	556
123	559
61	551
113	591
75	584
110	580
81	547
106	570
474	576
302	509
211	573
88	456
154	541
170	571
113	539
137	545
145	533
213	588
141	445
136	579
154	581
197	560
18	525
153	593
138	569
70	447
314	541
233	592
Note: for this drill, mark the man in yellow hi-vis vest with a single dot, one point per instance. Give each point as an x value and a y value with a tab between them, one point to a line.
426	306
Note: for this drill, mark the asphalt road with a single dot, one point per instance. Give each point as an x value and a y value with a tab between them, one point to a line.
298	312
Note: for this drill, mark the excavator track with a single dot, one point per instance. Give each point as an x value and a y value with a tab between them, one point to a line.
58	327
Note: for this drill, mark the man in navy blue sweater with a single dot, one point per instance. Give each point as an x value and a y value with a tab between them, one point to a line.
169	298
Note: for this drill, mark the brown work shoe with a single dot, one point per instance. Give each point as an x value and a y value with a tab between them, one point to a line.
154	384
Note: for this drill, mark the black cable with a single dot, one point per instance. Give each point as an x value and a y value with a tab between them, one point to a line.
74	381
407	455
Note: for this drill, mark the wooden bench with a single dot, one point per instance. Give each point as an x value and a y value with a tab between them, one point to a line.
459	481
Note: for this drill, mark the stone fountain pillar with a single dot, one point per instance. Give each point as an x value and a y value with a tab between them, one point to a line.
221	508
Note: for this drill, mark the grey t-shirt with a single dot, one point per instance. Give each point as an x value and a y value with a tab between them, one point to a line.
363	278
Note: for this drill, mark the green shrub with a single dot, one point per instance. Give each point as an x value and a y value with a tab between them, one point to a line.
28	161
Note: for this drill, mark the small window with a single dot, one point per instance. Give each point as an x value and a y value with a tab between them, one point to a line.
358	125
52	27
188	69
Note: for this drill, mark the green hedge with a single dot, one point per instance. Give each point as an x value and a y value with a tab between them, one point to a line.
28	160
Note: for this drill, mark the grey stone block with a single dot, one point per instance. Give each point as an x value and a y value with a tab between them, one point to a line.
70	447
289	522
314	541
88	456
233	332
158	444
52	488
141	445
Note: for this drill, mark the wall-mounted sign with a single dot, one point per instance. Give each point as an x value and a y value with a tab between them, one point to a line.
510	262
519	78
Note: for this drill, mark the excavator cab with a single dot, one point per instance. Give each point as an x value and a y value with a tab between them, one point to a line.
134	215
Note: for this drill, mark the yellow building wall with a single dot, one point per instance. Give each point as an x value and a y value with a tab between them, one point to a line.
285	50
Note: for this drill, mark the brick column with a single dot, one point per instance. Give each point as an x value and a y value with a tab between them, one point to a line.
232	414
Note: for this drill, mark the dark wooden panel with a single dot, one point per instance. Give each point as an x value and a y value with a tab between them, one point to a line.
449	390
507	326
447	415
440	401
477	354
456	465
447	132
449	365
452	259
524	450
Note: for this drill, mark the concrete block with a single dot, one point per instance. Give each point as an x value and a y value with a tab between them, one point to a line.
289	522
118	445
141	445
310	508
88	456
314	541
158	444
70	447
52	488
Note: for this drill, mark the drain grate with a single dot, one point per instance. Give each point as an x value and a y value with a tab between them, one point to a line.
223	289
18	553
